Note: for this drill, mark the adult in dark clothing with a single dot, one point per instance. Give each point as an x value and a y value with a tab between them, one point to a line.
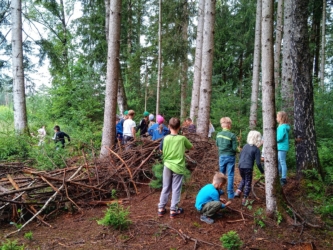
250	154
59	136
143	125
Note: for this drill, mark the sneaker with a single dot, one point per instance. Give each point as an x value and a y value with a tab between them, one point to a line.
283	182
244	201
206	219
237	193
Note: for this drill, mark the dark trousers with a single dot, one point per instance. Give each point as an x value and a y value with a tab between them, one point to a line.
245	184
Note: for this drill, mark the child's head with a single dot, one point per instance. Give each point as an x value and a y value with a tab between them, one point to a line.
56	128
125	114
117	118
146	114
219	179
159	119
188	120
131	113
151	117
282	117
174	123
254	138
225	122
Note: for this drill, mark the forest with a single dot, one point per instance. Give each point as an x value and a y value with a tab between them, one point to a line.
79	64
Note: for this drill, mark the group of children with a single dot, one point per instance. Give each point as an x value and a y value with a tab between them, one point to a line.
208	201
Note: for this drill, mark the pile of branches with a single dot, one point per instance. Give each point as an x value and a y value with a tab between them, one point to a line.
91	182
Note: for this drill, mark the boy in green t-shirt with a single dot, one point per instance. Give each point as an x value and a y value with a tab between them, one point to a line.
173	147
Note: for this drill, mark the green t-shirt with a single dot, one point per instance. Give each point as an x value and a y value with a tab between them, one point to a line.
173	149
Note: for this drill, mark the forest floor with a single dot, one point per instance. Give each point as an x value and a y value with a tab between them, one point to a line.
79	230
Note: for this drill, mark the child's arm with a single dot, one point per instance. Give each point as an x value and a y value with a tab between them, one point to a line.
258	161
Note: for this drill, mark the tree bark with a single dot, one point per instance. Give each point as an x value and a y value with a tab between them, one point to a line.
197	63
287	103
304	130
121	96
207	69
256	68
184	66
278	38
110	109
20	113
159	73
323	41
268	104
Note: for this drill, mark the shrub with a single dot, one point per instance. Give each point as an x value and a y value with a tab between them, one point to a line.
231	241
28	235
11	245
116	216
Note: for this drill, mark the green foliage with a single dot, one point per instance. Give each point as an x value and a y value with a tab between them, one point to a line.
116	216
28	235
11	245
231	241
326	158
279	217
259	217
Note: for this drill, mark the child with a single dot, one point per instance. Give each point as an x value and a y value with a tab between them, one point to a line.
173	148
227	145
41	135
158	130
143	125
249	154
59	136
129	128
208	201
119	128
211	129
191	128
151	120
282	139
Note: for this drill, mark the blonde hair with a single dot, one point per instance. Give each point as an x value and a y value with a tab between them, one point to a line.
219	178
131	112
254	138
225	120
283	116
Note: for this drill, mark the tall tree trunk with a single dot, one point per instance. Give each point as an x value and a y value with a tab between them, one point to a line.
197	63
121	96
110	109
278	38
304	130
107	17
20	114
159	73
268	110
256	68
323	41
184	63
315	36
286	79
207	69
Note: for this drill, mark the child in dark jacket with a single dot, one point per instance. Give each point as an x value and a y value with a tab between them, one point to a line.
249	154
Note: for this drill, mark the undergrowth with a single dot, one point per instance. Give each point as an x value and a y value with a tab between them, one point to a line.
11	245
116	216
231	241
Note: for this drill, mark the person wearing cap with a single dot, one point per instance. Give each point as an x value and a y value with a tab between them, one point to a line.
158	130
129	128
143	125
151	120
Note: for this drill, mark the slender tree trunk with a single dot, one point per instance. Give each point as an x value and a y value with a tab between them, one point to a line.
197	63
20	114
121	96
110	109
107	17
159	73
256	68
286	79
323	41
184	63
268	110
278	38
207	69
304	129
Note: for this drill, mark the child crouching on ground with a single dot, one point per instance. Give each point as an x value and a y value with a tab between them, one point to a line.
208	201
173	147
249	154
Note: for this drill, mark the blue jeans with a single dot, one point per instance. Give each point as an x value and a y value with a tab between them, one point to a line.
227	167
282	156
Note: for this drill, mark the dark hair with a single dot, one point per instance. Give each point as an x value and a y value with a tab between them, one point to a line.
174	123
56	127
188	119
